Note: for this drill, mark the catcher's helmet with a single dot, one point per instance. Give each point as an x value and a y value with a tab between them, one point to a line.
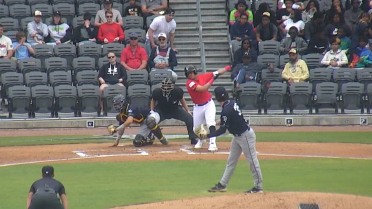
139	141
118	102
167	86
190	69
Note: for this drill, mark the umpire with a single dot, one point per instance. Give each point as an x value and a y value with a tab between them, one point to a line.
244	141
166	101
47	192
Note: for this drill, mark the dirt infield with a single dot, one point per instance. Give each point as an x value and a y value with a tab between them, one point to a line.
183	151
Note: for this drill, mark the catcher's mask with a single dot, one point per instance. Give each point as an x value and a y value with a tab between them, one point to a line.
190	69
167	86
118	102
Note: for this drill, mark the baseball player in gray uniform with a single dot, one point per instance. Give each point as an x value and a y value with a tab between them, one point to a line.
244	141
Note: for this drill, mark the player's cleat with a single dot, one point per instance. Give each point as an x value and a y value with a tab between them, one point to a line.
254	190
164	141
199	144
218	188
212	147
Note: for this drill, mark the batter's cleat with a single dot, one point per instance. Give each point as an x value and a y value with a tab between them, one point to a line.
212	147
194	141
254	190
199	144
163	140
218	188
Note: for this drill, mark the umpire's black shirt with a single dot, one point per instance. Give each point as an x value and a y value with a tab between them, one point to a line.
167	103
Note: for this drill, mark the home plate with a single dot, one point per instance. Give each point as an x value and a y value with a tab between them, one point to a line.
167	152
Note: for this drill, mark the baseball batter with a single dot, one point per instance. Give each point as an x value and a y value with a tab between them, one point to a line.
130	113
244	141
204	111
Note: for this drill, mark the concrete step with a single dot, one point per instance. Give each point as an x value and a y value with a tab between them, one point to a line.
187	51
222	16
215	36
188	36
179	44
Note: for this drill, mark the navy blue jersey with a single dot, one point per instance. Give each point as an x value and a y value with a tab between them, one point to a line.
139	114
170	102
48	183
231	119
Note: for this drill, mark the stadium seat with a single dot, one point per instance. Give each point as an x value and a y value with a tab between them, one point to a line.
269	47
78	20
88	99
32	2
29	64
158	75
92	8
65	97
7	65
67	10
78	2
266	59
67	51
140	33
250	97
319	75
83	63
283	60
9	23
137	77
86	77
57	78
55	64
42	100
4	11
42	52
9	79
300	97
24	22
342	76
312	60
90	50
139	94
45	9
11	34
12	2
19	98
325	96
275	97
63	1
116	48
364	76
19	11
369	98
352	97
36	78
108	94
132	22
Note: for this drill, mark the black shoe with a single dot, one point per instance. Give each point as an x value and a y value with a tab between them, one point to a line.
218	188
254	190
194	141
164	141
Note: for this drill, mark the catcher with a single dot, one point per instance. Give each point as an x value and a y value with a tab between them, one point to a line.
130	113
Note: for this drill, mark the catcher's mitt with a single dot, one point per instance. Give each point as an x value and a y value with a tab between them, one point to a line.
111	129
201	131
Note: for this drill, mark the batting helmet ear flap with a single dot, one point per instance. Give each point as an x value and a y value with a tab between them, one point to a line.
188	69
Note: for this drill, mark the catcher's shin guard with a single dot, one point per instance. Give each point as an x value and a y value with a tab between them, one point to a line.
157	132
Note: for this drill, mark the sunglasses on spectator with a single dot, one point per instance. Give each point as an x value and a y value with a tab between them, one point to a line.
161	39
109	16
110	57
133	38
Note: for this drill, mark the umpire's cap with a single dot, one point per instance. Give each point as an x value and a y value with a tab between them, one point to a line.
47	171
190	69
221	94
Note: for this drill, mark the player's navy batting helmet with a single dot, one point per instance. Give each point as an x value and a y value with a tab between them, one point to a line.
190	69
167	86
221	94
118	102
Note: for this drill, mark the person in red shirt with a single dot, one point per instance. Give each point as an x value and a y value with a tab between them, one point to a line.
204	111
110	31
134	56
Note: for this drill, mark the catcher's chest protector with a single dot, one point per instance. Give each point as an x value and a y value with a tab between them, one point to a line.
123	117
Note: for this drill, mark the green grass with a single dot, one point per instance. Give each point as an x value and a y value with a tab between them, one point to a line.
105	185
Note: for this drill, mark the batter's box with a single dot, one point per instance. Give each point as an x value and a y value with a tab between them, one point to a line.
308	206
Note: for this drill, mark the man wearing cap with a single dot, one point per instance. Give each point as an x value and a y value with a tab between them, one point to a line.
296	69
161	24
266	30
133	56
246	71
47	192
37	31
86	32
59	32
101	14
153	7
163	57
244	140
110	32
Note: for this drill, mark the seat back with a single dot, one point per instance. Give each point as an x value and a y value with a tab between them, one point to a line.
88	97
67	51
55	64
9	79
312	60
19	100
11	34
352	93
24	21
266	59
364	76
32	2
4	11
158	75
343	75
86	77
108	94
65	97
90	50
11	2
274	98
45	9
300	96
149	20
63	1
132	22
19	11
7	65
269	47
319	75
9	23
250	96
283	60
92	8
140	33
42	99
29	64
57	78
43	51
139	94
271	76
83	63
137	77
35	78
326	96
116	48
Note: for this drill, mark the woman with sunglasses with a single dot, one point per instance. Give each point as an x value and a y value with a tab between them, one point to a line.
110	32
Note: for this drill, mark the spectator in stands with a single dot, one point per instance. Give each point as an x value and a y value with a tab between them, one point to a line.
360	28
6	45
242	29
112	73
345	41
293	42
246	71
59	32
162	24
246	48
86	32
110	31
336	7
296	69
163	57
298	5
21	48
313	25
352	15
134	56
266	30
153	7
264	7
293	21
311	7
241	7
132	9
318	43
336	23
361	56
101	14
324	5
37	31
335	58
284	13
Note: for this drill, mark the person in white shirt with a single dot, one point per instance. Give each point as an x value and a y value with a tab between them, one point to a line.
101	14
37	31
335	58
162	24
6	45
294	20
